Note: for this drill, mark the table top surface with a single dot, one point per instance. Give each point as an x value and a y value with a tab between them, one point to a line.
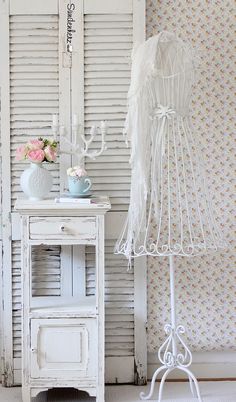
98	205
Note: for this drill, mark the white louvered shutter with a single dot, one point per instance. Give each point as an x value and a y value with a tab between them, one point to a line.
34	97
102	54
38	84
32	54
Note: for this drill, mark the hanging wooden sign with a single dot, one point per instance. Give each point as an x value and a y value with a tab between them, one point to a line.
69	27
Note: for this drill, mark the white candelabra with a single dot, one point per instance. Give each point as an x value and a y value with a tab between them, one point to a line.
78	145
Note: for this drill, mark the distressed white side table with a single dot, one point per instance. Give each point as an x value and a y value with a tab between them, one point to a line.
63	336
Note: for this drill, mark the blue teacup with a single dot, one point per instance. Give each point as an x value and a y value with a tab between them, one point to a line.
79	185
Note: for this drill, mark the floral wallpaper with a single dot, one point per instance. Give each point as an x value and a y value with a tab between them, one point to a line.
206	286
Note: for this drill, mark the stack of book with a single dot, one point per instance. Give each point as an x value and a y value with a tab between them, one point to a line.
66	198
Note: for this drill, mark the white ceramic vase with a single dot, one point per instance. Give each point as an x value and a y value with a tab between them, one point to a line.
36	182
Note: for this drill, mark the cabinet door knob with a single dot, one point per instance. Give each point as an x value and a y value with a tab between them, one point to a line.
62	228
34	350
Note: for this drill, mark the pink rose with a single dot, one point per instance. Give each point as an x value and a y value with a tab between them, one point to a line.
21	152
80	172
36	156
50	154
35	144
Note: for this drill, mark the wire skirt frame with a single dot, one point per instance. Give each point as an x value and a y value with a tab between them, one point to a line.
178	216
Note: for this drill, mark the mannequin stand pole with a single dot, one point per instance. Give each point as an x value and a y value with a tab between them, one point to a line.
168	353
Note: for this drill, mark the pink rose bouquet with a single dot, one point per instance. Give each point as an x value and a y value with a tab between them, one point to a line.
37	151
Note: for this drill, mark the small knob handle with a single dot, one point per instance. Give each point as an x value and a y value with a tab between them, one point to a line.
62	228
34	350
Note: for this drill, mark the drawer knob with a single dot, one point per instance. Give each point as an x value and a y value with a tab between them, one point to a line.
34	350
62	228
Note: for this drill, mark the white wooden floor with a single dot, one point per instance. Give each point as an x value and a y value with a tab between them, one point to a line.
174	392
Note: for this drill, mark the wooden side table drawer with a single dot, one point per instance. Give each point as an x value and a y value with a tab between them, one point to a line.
80	228
64	348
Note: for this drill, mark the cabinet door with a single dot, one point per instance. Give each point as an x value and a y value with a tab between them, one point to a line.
64	348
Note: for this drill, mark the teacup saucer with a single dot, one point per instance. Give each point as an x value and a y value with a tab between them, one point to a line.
84	195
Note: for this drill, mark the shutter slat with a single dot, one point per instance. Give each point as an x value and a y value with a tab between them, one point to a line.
34	90
32	70
111	109
114	70
107	46
30	25
107	53
38	40
106	81
108	62
108	39
33	48
33	32
34	83
35	75
38	19
105	76
104	25
111	18
24	97
21	61
21	113
95	91
41	57
106	104
31	103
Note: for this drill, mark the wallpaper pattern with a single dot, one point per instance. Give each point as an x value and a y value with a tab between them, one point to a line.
206	290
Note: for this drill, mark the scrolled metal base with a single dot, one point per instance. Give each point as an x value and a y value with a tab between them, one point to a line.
173	360
192	382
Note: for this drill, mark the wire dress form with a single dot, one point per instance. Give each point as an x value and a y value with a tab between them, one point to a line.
170	210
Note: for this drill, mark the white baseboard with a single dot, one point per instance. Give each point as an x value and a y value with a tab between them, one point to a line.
205	365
